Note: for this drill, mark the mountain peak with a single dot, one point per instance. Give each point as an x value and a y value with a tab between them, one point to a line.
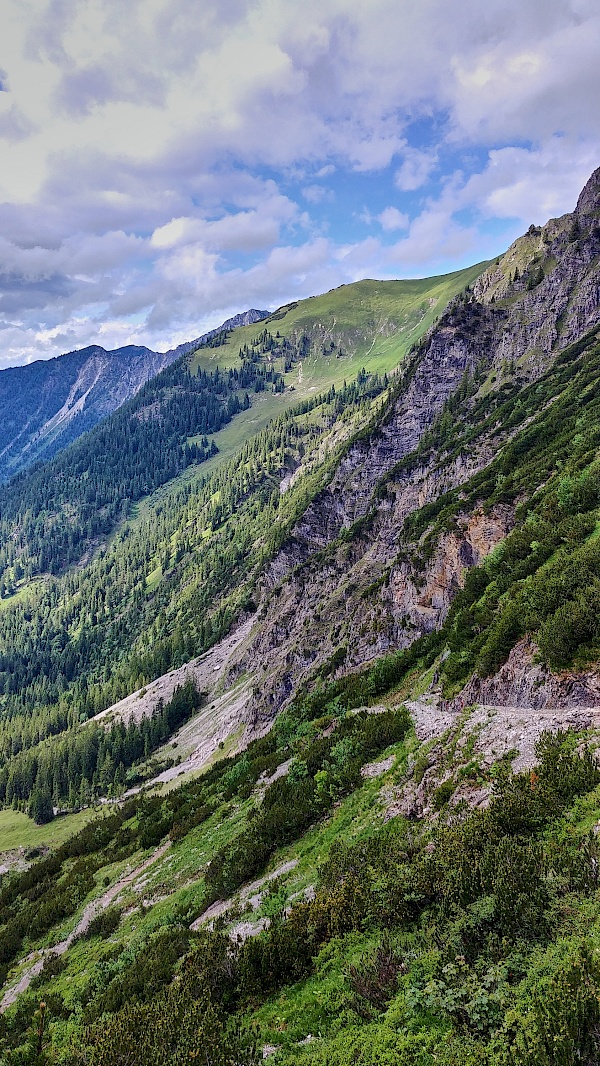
589	199
47	404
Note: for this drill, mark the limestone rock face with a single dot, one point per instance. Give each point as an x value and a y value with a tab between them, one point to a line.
589	198
522	682
346	586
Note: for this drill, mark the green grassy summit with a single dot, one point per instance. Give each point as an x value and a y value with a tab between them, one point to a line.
370	324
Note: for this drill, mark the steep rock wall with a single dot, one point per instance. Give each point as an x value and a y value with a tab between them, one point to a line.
359	596
523	682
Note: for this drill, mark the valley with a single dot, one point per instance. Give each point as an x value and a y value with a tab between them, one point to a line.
48	404
309	719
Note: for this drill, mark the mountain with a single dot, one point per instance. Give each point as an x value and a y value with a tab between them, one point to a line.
47	404
51	516
245	318
337	689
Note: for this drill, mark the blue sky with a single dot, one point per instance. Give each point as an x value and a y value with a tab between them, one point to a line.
166	163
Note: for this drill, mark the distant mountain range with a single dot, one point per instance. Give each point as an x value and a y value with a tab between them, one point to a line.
48	404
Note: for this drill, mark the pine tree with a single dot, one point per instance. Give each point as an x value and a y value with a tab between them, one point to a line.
40	806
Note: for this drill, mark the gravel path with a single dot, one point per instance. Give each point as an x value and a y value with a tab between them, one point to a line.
500	729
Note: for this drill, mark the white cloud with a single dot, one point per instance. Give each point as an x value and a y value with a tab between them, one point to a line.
415	170
391	218
316	194
147	147
526	184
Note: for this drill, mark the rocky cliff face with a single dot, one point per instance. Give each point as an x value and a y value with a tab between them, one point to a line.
46	405
350	601
547	286
342	596
523	682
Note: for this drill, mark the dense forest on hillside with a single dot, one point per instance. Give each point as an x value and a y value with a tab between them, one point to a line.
51	513
84	764
77	658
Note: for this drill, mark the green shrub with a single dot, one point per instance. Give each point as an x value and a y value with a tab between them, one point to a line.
104	924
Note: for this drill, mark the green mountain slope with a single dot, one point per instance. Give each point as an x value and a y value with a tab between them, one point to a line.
456	938
400	866
169	581
50	516
370	324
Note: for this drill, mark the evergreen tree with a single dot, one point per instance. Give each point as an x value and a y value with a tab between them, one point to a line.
40	806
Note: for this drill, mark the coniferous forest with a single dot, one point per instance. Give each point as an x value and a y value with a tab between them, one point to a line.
127	632
49	515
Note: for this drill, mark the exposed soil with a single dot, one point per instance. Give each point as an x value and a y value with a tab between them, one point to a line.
249	894
224	715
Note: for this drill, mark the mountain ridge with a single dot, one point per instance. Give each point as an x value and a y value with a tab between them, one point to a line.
361	824
47	404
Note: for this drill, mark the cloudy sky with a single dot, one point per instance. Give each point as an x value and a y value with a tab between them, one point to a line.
166	163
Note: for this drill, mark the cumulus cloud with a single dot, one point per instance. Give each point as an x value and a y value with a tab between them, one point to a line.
391	218
415	170
163	167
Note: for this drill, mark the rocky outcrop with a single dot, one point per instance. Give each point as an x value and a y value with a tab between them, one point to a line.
462	746
364	596
434	377
424	603
588	204
523	682
548	286
335	598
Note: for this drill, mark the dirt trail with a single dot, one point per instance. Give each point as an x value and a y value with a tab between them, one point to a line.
499	729
249	894
90	911
456	736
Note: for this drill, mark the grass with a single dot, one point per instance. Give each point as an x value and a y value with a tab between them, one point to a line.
18	831
177	876
374	322
23	594
310	1007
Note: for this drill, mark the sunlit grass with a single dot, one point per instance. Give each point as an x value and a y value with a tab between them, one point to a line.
18	831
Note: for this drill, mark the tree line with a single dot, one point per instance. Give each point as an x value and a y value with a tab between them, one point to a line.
92	761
